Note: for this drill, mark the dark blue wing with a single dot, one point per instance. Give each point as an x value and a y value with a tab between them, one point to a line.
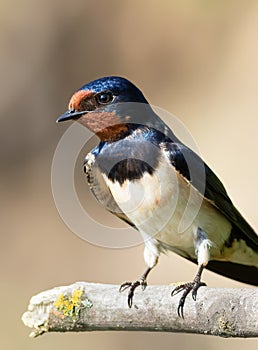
191	166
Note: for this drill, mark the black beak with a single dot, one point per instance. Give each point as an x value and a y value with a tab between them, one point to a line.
68	115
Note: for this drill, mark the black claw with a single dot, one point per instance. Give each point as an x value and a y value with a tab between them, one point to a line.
180	309
179	289
175	291
195	289
132	286
187	288
125	286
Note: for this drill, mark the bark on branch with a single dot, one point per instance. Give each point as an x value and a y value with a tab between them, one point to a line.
89	307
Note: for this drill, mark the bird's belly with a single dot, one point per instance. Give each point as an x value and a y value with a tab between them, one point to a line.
170	211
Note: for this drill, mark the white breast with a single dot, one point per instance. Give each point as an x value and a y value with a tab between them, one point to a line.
156	205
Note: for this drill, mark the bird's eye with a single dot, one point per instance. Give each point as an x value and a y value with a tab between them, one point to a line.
104	98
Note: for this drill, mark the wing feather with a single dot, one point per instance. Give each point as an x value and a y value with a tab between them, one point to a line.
191	166
99	188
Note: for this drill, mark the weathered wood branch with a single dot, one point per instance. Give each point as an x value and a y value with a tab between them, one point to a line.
89	307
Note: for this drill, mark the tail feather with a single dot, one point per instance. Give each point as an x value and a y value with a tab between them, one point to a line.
242	273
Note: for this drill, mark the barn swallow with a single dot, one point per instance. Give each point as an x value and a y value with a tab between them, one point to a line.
142	173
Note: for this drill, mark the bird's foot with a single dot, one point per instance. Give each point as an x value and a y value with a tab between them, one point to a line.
187	288
132	286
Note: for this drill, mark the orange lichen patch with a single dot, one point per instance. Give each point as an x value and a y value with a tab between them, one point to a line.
107	125
78	97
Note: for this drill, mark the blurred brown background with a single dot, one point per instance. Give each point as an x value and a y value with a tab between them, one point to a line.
197	59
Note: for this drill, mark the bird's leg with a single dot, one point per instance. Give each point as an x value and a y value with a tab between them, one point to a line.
202	244
151	255
187	288
142	281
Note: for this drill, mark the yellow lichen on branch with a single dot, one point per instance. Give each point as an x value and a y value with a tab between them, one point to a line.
70	306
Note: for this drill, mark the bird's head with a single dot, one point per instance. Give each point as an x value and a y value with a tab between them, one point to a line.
101	106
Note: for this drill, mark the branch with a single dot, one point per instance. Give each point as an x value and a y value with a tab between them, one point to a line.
98	307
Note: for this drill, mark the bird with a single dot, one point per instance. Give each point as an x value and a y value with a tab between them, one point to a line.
142	173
